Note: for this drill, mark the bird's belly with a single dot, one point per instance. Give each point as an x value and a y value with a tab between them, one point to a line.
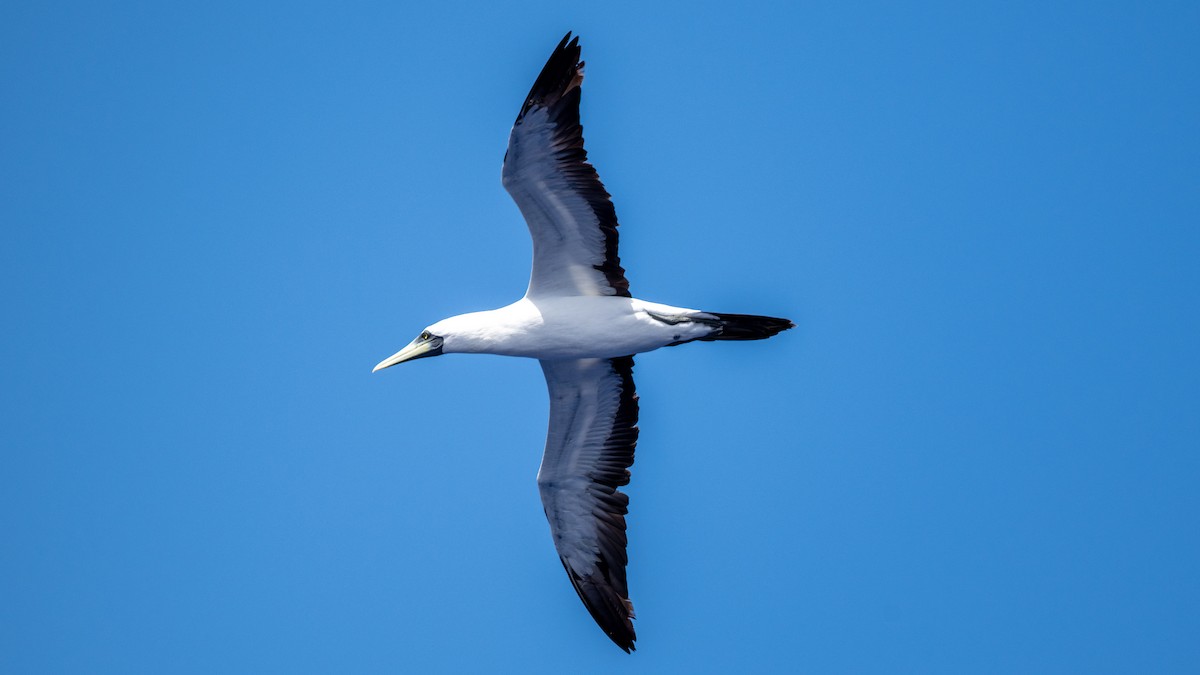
581	345
593	328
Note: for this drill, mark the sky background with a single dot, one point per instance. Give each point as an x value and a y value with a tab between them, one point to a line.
979	451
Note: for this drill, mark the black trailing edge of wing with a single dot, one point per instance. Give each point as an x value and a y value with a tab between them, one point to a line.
607	599
557	89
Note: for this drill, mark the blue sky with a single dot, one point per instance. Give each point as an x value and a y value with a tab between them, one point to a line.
978	452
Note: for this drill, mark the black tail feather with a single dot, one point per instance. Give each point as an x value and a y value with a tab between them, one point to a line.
745	326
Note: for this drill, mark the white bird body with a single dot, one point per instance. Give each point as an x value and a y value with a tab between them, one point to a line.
580	320
572	327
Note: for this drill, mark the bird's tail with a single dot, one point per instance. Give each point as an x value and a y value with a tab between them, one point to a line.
744	326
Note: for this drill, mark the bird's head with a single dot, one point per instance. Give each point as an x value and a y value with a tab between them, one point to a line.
427	343
462	333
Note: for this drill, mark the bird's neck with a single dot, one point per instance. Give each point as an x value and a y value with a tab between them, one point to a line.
493	331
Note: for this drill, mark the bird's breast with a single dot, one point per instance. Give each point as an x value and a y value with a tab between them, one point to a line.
578	328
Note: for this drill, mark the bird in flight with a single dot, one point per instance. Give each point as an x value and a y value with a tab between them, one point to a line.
580	321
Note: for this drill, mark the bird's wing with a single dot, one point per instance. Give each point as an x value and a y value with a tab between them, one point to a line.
569	213
589	448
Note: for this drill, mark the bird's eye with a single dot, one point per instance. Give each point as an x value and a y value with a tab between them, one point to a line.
425	335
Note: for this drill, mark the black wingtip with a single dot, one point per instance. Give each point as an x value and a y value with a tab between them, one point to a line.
613	613
562	73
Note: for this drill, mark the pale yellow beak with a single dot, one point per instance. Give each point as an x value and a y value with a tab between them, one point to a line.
415	349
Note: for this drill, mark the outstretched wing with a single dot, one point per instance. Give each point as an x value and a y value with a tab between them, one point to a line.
589	448
569	213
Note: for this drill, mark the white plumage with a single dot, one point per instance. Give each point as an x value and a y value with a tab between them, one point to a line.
580	321
570	327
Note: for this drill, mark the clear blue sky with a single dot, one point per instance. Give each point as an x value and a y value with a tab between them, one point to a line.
978	452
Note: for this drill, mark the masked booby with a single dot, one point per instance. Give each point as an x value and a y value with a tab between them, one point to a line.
580	321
